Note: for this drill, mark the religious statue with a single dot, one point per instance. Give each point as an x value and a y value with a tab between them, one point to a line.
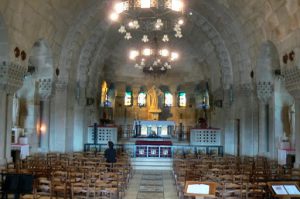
153	94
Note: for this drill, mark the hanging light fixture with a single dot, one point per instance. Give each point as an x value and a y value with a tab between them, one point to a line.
140	18
153	58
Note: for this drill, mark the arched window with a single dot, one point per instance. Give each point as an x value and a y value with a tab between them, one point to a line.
142	99
104	95
128	98
181	99
168	99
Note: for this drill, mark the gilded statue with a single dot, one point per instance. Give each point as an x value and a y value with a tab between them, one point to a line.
153	94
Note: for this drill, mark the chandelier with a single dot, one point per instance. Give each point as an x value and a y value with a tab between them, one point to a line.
153	58
139	19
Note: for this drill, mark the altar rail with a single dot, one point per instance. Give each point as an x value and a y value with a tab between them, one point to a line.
173	151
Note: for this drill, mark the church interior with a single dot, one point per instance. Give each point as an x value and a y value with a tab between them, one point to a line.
201	98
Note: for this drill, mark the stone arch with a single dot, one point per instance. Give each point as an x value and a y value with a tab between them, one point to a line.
75	37
221	50
267	62
4	43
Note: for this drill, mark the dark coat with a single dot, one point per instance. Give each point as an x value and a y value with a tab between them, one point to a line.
110	155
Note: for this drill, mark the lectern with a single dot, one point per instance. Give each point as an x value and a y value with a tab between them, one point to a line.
284	190
200	190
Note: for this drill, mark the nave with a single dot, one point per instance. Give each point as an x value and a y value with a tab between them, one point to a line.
86	175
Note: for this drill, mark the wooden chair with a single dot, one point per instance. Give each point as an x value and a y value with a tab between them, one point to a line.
79	190
43	187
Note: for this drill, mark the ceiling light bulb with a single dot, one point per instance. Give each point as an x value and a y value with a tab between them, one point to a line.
136	24
147	52
114	16
133	54
145	3
119	7
130	24
158	24
164	52
178	35
177	5
127	36
122	29
174	56
145	38
165	38
180	21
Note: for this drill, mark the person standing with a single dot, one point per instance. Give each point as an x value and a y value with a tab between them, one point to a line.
110	153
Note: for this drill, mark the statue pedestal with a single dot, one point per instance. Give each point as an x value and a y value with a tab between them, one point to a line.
154	113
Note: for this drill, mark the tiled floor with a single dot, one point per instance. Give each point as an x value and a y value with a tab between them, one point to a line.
151	184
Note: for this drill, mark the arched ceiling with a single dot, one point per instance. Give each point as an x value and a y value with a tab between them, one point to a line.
220	43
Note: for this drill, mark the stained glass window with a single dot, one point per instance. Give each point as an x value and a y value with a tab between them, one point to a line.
142	99
128	98
181	99
168	99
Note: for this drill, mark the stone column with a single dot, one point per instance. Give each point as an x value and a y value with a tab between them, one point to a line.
45	92
246	119
262	133
229	135
9	125
11	79
264	93
3	110
44	125
297	131
59	109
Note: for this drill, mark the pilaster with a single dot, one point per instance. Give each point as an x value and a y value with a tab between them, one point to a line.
59	109
245	111
45	92
264	94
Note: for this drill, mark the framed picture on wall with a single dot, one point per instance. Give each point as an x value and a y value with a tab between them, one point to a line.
201	150
213	151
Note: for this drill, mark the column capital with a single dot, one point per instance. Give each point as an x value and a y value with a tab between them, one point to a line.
292	81
264	90
45	88
11	76
61	85
245	89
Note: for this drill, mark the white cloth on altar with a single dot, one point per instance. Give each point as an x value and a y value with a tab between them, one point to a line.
154	124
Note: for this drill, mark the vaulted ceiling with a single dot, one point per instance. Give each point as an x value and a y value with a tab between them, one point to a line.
221	42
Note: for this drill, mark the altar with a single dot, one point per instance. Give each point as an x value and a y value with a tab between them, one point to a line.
148	128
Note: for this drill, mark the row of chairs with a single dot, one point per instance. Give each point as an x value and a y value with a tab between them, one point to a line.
75	175
236	177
